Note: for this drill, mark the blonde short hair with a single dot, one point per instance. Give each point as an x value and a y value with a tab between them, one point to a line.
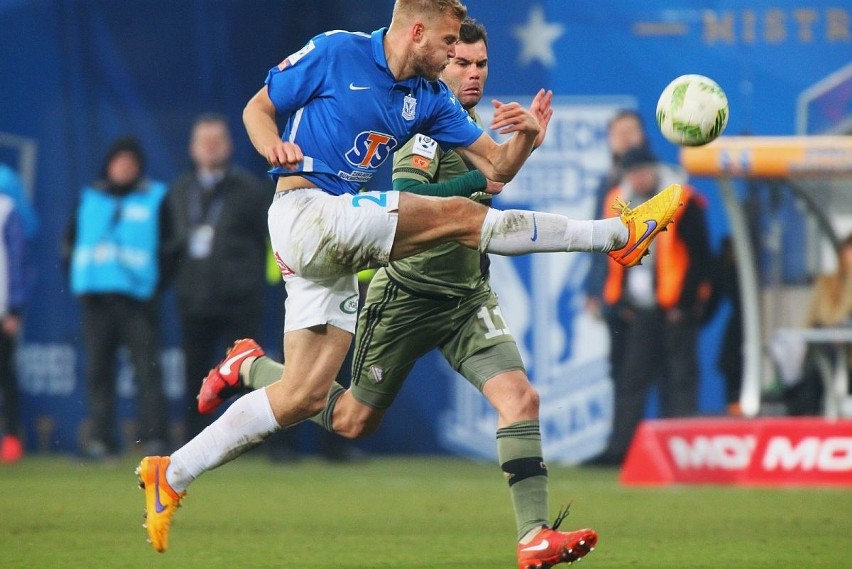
407	9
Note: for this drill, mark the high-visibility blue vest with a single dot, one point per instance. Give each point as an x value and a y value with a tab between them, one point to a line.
116	251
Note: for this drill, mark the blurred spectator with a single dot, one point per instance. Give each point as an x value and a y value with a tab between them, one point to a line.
662	302
116	243
730	360
830	307
625	131
13	295
11	185
219	214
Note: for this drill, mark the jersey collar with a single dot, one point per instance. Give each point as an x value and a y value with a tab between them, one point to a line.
377	40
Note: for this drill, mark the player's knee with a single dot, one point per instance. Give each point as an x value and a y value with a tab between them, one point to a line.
522	405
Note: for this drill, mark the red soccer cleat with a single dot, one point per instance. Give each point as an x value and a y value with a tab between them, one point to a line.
551	547
223	381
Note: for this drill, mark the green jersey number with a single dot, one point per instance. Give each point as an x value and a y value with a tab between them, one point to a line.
491	319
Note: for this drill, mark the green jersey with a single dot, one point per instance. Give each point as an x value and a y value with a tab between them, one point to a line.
449	269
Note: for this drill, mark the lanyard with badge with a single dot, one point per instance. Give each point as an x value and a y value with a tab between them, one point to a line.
202	223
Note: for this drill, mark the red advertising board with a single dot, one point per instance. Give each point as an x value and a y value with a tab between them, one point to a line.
772	452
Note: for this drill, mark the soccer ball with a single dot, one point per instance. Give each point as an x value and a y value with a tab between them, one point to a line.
692	110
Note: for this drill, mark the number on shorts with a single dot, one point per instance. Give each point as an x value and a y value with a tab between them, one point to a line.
381	200
490	323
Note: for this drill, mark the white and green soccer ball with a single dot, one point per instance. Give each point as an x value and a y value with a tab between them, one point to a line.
692	110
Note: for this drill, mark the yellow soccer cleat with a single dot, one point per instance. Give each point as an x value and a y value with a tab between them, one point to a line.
161	500
651	217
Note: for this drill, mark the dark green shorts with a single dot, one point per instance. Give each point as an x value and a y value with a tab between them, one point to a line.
396	327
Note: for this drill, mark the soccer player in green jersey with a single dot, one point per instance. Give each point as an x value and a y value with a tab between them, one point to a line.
441	299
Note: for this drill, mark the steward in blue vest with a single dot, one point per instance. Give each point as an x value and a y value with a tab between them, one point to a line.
116	245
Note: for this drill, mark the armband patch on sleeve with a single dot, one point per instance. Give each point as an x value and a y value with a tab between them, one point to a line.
420	162
425	146
292	59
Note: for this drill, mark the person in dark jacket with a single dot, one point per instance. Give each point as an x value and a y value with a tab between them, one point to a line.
116	244
219	215
663	302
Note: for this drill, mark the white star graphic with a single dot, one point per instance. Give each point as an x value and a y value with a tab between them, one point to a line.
537	37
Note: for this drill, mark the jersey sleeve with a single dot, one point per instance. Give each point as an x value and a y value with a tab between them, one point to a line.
451	125
417	160
300	77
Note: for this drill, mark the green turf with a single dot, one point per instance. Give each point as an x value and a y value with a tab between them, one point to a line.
418	513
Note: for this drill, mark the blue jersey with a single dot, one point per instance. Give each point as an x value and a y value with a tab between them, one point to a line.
348	113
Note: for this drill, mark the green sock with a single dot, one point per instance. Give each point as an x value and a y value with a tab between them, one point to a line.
520	455
265	371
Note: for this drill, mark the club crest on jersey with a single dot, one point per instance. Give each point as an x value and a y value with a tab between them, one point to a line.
370	149
409	106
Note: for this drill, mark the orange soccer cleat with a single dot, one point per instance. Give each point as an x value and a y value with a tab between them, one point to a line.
161	500
650	217
551	547
223	381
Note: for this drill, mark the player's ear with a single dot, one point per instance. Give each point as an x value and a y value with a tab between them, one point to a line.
417	31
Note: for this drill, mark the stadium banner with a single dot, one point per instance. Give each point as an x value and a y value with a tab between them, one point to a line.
761	452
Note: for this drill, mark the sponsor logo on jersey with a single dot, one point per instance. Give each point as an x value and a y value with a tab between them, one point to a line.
370	149
409	106
350	305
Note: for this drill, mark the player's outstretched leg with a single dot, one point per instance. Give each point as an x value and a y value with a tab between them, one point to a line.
161	500
626	238
551	546
224	380
644	222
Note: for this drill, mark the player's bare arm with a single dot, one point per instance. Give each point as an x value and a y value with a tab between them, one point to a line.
500	162
259	120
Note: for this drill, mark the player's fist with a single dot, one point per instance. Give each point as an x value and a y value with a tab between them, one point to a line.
284	154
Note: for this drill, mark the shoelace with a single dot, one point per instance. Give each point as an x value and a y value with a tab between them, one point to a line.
560	516
622	206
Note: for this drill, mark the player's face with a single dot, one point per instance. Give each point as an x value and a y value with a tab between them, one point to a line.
123	169
466	73
625	133
643	179
210	146
434	45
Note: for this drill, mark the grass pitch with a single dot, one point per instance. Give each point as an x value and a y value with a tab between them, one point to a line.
403	512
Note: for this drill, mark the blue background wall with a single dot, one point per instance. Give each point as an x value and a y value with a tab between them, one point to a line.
76	74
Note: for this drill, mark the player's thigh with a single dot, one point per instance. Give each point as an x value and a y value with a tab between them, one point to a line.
317	302
395	329
482	346
318	236
425	222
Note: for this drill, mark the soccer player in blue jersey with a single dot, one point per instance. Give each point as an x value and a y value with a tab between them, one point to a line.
350	100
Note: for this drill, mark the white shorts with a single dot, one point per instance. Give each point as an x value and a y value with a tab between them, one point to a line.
320	242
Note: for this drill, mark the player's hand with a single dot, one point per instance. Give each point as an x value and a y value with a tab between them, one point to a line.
512	117
543	112
493	188
284	154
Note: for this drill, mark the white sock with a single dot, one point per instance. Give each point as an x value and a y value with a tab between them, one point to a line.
243	426
516	232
